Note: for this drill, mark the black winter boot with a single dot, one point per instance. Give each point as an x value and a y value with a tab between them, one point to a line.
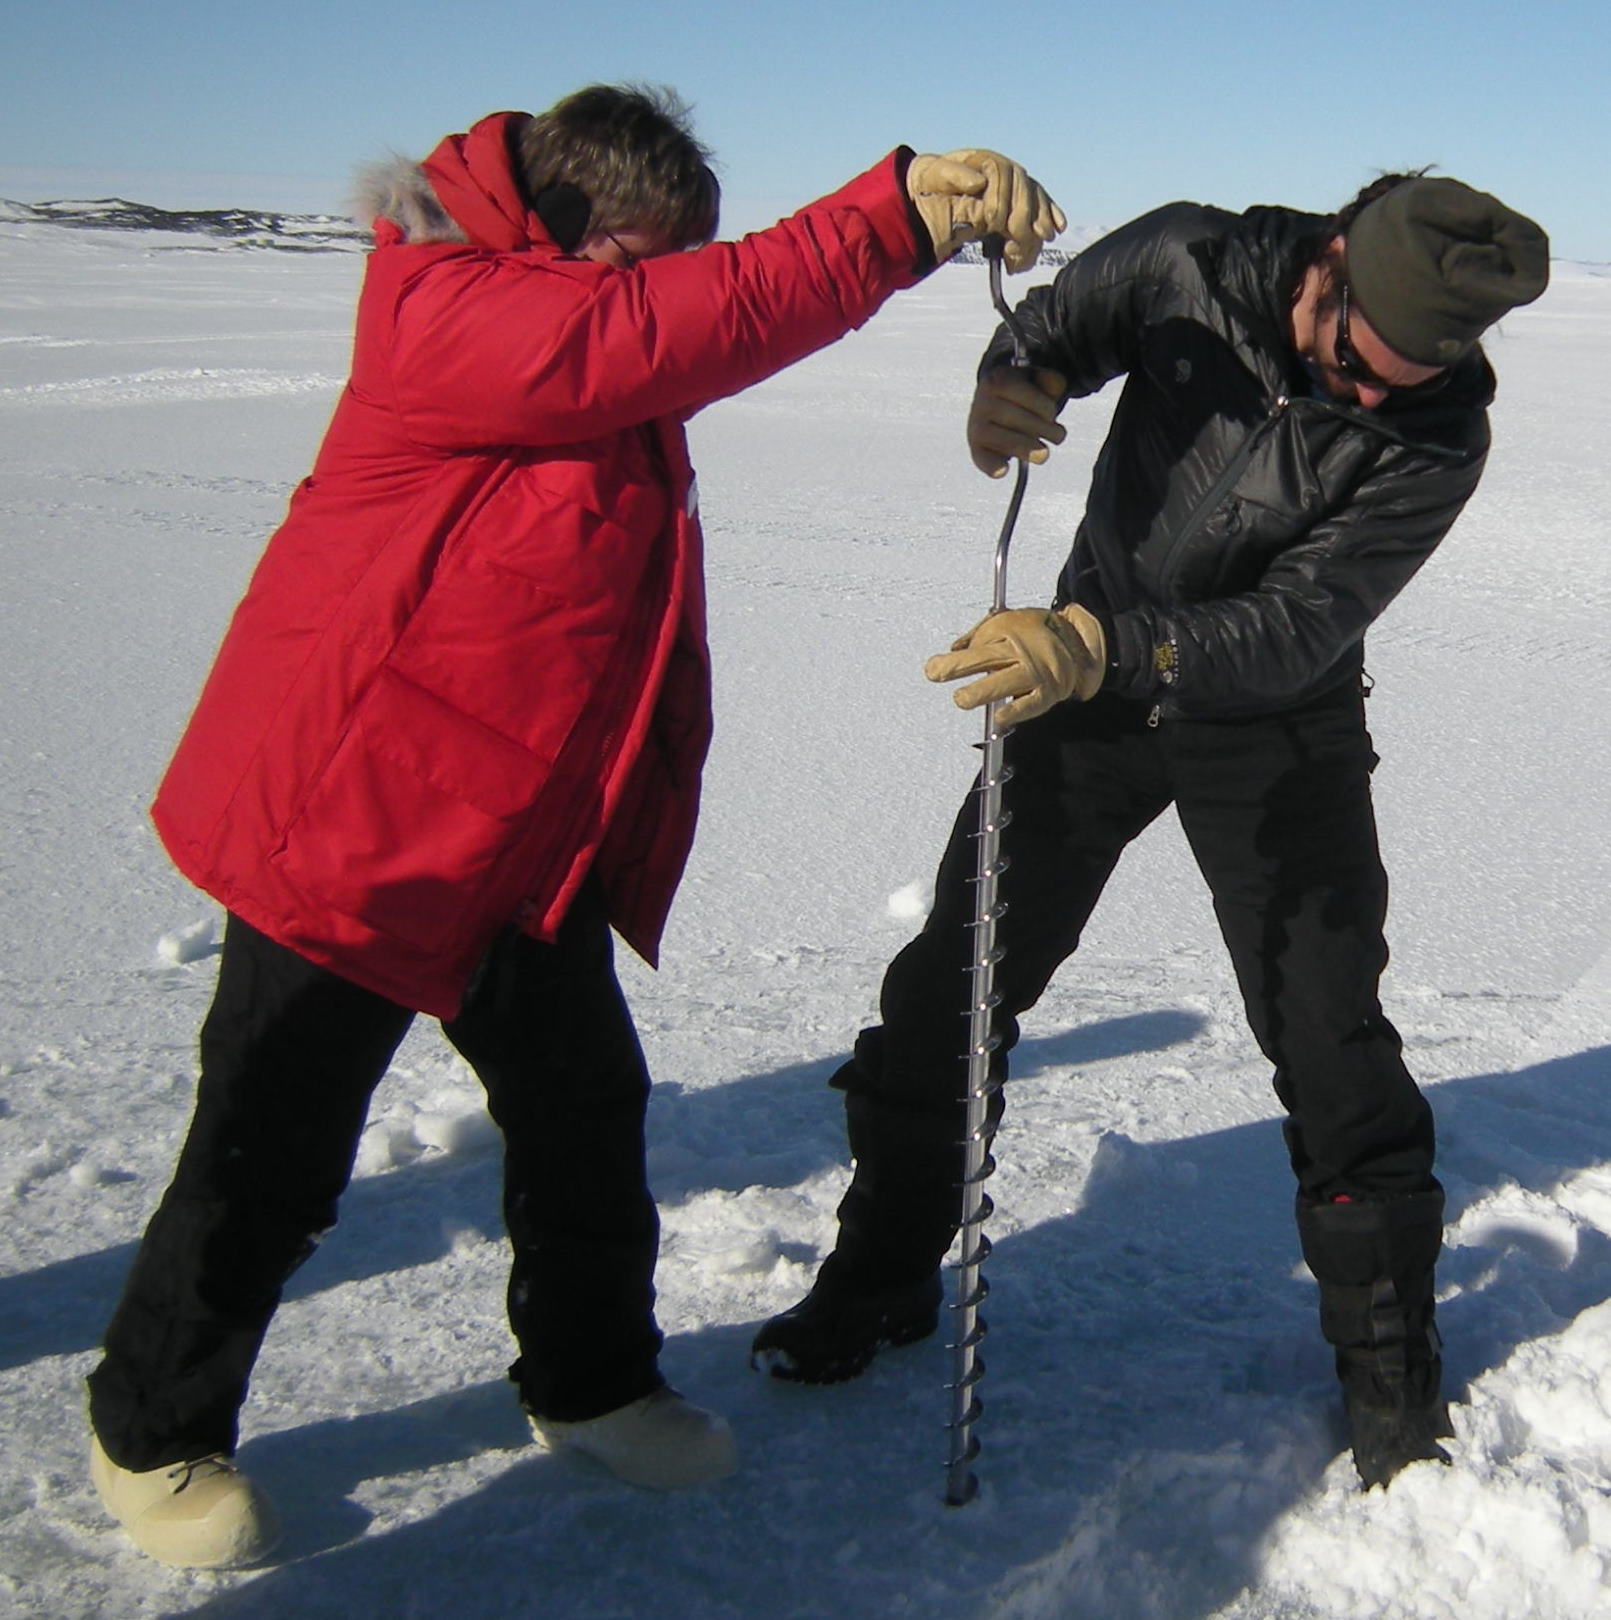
1374	1260
834	1333
880	1287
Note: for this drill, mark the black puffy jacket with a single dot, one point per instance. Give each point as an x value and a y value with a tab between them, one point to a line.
1241	533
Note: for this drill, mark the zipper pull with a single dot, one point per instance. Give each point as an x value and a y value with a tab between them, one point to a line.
1153	717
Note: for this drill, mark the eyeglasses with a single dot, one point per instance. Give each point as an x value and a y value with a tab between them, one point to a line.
1354	366
629	259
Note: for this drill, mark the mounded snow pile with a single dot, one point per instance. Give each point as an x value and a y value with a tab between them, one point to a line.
911	903
188	944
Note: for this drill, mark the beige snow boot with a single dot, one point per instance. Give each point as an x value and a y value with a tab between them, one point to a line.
204	1514
661	1442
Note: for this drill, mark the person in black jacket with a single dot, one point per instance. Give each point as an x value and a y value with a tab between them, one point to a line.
1303	417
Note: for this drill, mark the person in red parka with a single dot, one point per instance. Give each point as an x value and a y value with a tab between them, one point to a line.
454	735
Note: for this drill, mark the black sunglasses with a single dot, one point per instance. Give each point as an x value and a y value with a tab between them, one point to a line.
1354	366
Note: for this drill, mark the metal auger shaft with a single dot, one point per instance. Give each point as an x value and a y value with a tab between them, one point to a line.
977	1165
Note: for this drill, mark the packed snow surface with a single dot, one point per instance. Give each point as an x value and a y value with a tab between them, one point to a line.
1160	1436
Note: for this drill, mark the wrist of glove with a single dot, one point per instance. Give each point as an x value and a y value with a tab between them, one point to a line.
971	193
1031	657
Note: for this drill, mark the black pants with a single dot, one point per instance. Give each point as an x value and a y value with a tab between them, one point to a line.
290	1055
1277	811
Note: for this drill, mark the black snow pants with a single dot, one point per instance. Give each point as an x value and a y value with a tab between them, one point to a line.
290	1055
1277	811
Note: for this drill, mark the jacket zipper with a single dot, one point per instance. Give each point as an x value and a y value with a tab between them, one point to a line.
1225	483
1218	490
1234	469
626	675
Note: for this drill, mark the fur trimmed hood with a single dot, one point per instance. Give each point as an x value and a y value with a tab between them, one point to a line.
465	191
396	189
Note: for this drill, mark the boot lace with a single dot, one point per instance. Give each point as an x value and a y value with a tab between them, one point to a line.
202	1467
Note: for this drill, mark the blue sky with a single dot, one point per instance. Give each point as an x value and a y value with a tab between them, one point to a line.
1116	106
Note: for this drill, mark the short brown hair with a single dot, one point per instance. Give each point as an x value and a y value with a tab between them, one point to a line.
631	152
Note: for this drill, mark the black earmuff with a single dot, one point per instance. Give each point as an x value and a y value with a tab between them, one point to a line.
565	212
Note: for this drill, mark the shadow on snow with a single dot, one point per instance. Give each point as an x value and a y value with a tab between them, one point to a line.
774	1129
1157	1398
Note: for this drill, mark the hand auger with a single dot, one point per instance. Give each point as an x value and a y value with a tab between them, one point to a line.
977	1165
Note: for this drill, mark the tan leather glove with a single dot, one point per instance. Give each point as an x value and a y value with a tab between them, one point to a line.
972	192
1014	414
1035	656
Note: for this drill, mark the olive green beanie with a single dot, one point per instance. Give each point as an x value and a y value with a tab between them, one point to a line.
1432	264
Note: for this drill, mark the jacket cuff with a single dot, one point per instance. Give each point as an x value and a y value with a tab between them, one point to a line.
1134	669
924	259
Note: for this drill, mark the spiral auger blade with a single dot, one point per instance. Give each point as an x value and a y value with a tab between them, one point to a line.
970	1326
968	1367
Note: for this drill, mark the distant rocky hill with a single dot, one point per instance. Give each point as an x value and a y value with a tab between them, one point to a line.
222	227
1070	245
307	233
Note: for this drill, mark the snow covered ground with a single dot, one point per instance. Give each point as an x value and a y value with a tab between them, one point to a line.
1160	1435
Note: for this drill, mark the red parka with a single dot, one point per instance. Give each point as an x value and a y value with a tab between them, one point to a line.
471	664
